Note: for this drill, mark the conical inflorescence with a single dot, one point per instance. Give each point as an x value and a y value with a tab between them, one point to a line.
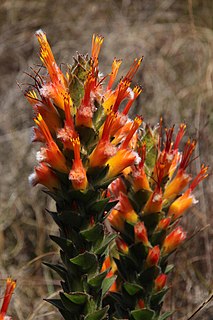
117	185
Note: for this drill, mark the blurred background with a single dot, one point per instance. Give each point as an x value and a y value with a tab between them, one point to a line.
176	40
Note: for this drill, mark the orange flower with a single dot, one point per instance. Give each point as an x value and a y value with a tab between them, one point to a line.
115	67
165	158
122	212
153	256
139	179
68	132
104	149
46	109
122	246
179	182
133	69
134	127
154	203
181	204
141	233
116	219
116	187
44	175
11	284
181	179
163	224
57	88
48	59
78	173
109	263
52	153
136	92
85	112
160	282
97	42
122	93
121	160
173	240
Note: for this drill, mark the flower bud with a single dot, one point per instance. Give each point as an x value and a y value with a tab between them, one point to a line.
160	282
173	240
141	233
153	256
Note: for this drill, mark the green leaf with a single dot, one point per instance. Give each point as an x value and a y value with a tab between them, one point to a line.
151	220
98	315
132	288
146	277
94	233
166	315
77	297
169	268
151	149
87	261
107	283
64	243
58	268
138	199
158	297
96	281
143	314
76	90
99	206
69	305
100	248
56	303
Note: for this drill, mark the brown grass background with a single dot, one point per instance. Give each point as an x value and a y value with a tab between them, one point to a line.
176	39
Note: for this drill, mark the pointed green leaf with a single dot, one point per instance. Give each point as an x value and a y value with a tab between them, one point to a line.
56	303
132	288
99	206
166	315
86	261
138	199
147	276
96	281
107	283
143	314
169	268
158	297
98	315
58	268
106	241
77	297
69	305
64	243
94	233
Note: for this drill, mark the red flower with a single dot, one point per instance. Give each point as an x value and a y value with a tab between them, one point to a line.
160	282
173	240
11	284
153	256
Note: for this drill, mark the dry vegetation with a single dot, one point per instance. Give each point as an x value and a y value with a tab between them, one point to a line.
176	38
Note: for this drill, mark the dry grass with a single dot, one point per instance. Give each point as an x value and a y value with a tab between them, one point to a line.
176	38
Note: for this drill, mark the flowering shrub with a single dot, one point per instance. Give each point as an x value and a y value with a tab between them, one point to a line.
119	185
